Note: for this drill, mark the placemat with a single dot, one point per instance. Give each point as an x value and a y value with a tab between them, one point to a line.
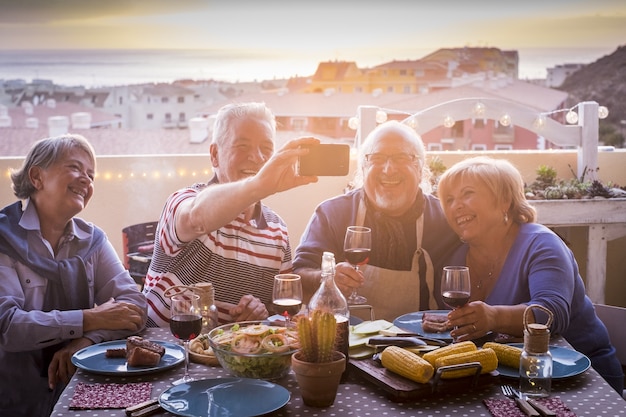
508	407
92	396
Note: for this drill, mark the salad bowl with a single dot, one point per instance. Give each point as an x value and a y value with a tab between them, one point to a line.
254	349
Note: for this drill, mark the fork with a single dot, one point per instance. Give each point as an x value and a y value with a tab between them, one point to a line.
509	392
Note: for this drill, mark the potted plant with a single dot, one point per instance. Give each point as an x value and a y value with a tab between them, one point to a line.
317	366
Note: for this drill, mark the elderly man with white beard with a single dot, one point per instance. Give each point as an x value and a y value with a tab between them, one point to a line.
410	236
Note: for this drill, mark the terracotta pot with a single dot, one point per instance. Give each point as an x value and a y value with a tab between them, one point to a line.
318	382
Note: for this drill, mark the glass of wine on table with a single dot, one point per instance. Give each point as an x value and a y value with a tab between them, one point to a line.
455	286
287	295
357	246
185	324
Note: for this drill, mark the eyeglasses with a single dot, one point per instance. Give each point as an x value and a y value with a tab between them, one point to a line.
397	158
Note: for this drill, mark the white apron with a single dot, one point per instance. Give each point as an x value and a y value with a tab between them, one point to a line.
394	293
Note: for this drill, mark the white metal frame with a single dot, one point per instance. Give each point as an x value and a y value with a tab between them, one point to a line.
583	136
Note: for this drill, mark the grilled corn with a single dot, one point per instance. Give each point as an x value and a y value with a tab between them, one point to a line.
407	364
507	355
467	346
486	356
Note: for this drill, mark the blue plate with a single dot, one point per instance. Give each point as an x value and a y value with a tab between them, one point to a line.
565	363
412	322
93	359
224	397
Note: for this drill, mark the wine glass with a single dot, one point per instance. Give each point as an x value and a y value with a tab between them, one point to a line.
455	286
357	246
185	324
287	295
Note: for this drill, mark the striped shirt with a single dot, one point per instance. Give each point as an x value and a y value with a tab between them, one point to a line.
239	258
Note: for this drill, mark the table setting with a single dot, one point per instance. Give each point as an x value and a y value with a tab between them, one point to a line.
97	389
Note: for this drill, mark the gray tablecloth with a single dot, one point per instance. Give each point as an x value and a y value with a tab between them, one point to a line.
586	394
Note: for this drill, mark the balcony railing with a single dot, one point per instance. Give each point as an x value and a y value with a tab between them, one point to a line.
132	189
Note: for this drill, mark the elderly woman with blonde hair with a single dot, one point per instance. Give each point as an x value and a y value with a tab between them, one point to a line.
515	262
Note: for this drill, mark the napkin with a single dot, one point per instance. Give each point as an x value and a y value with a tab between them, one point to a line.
91	396
508	407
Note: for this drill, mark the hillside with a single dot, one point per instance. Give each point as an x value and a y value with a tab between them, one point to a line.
603	81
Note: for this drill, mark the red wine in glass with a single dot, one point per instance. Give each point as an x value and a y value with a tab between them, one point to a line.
287	295
358	256
185	326
455	286
454	299
287	307
356	248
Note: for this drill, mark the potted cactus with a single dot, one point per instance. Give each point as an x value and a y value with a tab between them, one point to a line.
317	366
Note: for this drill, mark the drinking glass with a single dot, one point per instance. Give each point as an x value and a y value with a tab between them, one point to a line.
185	324
455	286
357	246
287	295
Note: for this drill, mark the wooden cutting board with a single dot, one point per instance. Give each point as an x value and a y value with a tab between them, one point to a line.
400	389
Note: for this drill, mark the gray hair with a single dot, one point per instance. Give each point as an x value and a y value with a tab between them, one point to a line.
223	129
43	154
409	135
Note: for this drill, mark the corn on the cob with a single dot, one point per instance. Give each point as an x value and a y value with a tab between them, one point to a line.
507	355
407	364
486	356
467	346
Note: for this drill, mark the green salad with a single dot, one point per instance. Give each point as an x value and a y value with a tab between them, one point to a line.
254	350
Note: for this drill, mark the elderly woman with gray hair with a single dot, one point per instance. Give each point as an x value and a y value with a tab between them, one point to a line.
62	285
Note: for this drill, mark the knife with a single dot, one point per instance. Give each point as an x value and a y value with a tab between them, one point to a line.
143	409
525	406
428	340
543	410
401	341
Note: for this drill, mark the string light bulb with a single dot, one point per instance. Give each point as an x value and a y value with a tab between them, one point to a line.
353	123
448	121
603	112
571	117
381	116
479	109
540	122
505	120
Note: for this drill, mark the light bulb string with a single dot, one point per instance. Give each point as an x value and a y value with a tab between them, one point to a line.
480	107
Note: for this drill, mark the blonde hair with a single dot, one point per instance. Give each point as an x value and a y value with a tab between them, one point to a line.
500	177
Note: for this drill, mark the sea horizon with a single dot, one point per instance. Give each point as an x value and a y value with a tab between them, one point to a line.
110	67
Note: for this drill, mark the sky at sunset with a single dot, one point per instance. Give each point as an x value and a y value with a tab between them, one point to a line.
368	32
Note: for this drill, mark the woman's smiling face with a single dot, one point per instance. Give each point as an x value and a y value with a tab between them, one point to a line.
66	186
470	207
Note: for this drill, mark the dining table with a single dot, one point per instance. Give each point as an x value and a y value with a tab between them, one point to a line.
585	394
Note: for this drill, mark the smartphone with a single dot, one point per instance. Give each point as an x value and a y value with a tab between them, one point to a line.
325	159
